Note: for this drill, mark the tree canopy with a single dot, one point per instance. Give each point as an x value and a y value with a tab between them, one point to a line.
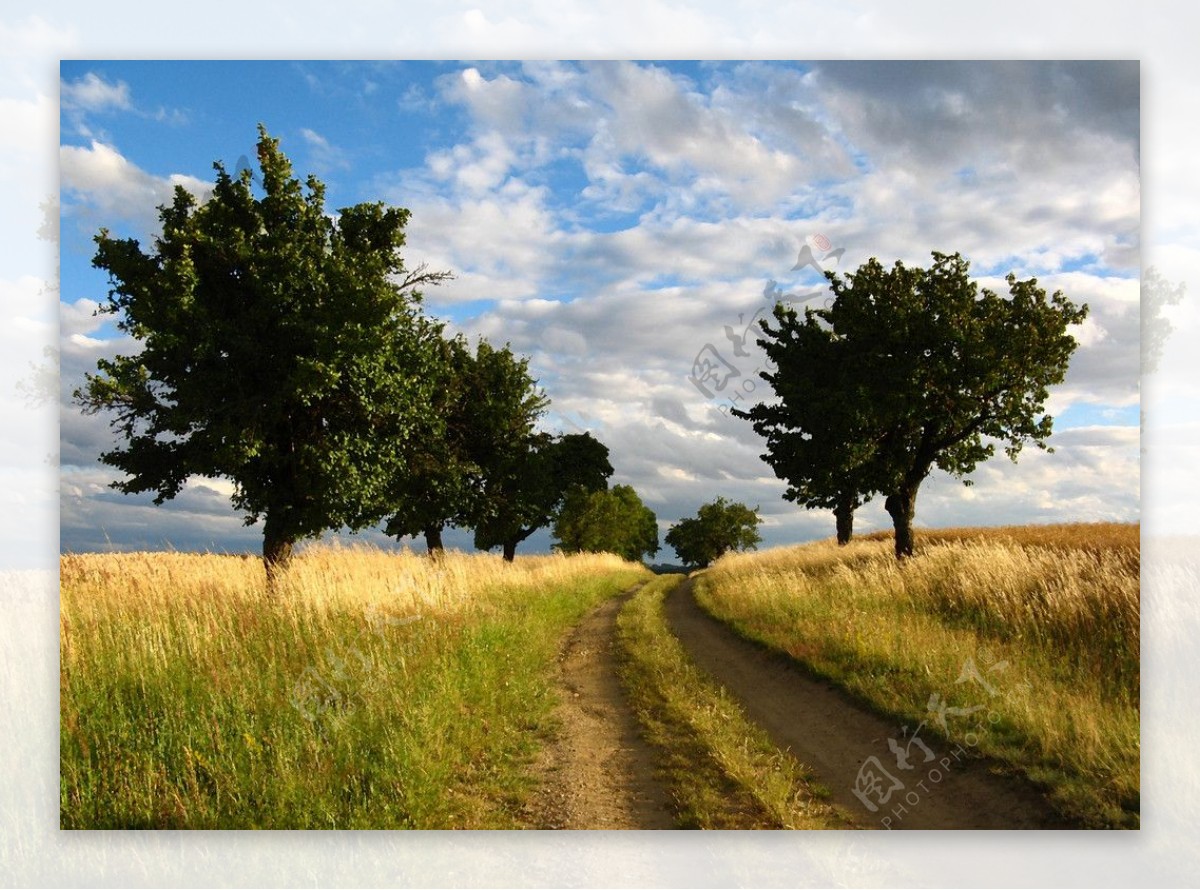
818	430
485	406
717	528
606	521
524	488
279	346
921	369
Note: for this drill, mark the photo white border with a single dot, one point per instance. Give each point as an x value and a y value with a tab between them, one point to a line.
1165	852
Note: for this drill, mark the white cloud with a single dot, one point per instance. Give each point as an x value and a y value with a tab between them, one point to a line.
104	184
79	318
325	157
93	93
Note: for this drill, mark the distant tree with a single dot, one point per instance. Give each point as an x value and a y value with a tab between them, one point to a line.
606	521
716	529
279	346
526	488
931	367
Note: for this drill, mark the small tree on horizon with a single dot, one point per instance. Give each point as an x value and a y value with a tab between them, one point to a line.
716	529
606	521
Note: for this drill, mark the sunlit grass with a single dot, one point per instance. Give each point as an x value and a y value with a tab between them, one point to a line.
370	689
722	771
1036	626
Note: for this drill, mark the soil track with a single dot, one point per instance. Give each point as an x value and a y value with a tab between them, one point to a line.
834	735
597	773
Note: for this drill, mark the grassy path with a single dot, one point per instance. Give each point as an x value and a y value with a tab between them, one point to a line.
722	771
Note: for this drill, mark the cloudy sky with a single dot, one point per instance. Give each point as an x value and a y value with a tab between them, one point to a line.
616	221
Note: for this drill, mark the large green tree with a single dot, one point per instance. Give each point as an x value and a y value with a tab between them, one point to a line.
280	346
607	521
935	372
716	529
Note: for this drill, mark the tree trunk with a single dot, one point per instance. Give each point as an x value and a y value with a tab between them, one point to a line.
510	549
277	550
844	514
433	541
902	506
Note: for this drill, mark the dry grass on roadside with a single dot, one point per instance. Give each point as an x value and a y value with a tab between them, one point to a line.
1047	616
373	689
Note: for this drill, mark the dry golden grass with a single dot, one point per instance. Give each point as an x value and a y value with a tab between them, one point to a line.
370	689
1058	606
322	578
1093	536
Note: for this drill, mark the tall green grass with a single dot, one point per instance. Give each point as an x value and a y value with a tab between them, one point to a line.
376	690
1035	629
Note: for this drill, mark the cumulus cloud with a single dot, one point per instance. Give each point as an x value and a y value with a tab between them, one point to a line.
93	93
102	184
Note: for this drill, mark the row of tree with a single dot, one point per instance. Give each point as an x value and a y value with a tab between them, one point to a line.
285	349
616	521
906	370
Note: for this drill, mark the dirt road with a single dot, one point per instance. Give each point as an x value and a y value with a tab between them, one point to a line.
945	786
598	773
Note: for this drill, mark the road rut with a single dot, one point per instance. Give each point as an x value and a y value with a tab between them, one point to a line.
598	772
946	785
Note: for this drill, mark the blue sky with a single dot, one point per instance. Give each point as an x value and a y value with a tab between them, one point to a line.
610	220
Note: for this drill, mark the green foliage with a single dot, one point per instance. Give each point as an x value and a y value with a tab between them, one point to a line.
484	409
818	432
716	529
909	369
526	487
484	465
279	347
612	521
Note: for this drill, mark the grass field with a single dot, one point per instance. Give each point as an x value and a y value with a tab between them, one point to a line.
375	690
1026	637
